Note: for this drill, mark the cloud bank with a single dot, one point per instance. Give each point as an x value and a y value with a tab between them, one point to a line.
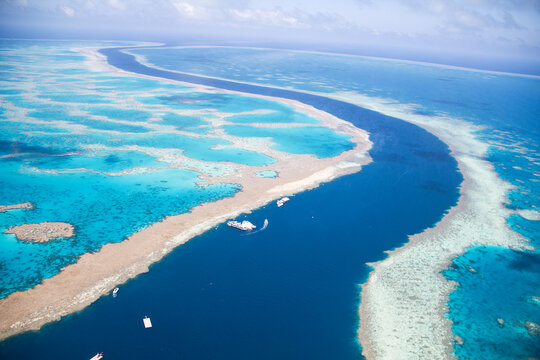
482	27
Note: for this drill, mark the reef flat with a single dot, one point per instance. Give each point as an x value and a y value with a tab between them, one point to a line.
42	232
404	301
262	147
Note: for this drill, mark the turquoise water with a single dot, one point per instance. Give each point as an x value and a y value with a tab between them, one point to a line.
81	147
495	284
268	174
182	122
275	117
77	98
508	107
99	161
16	127
319	141
120	114
226	103
136	84
102	208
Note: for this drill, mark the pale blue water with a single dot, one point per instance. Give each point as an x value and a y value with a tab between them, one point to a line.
76	98
274	117
119	114
182	122
319	141
100	161
507	106
226	103
267	174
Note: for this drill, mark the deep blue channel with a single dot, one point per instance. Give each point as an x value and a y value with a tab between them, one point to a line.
288	292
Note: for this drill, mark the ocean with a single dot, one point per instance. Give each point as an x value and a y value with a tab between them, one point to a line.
505	106
292	290
289	291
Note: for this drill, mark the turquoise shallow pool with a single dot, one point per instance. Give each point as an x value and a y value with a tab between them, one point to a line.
319	141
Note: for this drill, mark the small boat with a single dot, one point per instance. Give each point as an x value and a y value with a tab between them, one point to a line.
147	323
244	225
282	201
97	356
115	291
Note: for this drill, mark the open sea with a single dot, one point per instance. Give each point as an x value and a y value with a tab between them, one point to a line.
292	290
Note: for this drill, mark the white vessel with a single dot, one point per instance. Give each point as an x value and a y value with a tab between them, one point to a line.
97	356
282	201
147	323
244	225
115	291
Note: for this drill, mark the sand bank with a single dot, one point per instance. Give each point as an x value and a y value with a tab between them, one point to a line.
404	302
96	274
26	205
42	232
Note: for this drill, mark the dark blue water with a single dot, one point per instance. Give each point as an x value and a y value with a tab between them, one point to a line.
506	106
288	292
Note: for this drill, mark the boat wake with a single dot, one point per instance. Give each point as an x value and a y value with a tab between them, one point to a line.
261	229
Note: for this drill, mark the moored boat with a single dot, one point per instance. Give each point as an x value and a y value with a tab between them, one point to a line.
244	225
147	323
282	201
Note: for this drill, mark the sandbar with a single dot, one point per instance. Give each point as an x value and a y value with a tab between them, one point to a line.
26	205
96	274
42	232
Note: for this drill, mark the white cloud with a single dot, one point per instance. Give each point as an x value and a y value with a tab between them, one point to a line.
274	17
443	23
189	10
117	4
68	11
184	8
468	15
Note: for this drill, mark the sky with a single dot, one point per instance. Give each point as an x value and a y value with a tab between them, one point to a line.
496	31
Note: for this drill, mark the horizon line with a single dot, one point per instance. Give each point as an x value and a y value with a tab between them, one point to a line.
145	43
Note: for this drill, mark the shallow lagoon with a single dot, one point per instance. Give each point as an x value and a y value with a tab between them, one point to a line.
318	141
60	148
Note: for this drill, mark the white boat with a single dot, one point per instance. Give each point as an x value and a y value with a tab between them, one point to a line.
244	225
147	323
115	291
97	356
282	201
